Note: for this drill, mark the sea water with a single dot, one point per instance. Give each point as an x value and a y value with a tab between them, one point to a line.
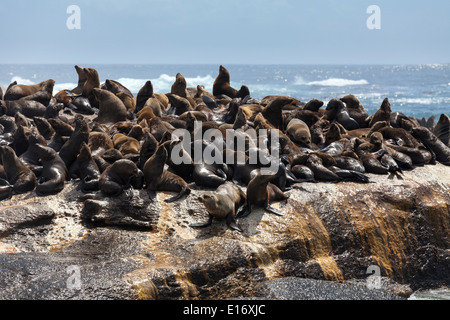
415	90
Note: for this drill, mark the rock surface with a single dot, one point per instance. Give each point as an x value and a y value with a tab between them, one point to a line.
72	246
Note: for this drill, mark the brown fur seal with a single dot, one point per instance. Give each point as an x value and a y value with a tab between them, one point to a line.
116	88
145	93
19	176
111	108
179	105
222	86
260	193
224	203
18	91
54	173
99	142
383	114
356	110
81	80
118	177
87	170
156	106
159	179
125	144
44	127
442	129
28	108
432	142
298	132
273	112
69	151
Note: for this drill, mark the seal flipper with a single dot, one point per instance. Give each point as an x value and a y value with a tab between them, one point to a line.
6	189
244	211
184	191
203	225
151	194
274	211
232	224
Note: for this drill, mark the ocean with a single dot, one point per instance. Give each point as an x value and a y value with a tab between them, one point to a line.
415	90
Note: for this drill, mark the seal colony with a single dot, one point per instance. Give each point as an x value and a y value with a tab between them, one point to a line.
111	142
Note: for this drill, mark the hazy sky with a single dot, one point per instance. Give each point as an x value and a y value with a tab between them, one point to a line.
225	32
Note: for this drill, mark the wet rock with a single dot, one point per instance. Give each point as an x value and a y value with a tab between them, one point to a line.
137	249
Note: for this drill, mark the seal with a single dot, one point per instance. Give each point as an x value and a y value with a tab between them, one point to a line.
69	151
18	91
145	93
383	114
81	80
87	170
117	177
20	178
273	112
179	88
299	132
54	173
179	105
336	110
433	143
222	85
442	129
260	193
29	108
356	110
159	179
126	144
44	127
30	158
224	203
92	82
99	142
111	108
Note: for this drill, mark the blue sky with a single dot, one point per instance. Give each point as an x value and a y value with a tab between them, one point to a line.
225	32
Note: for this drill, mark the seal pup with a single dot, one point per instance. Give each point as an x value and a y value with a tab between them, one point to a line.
157	178
20	177
223	203
298	131
118	177
54	173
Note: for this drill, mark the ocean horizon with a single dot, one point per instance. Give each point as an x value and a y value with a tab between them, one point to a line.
419	90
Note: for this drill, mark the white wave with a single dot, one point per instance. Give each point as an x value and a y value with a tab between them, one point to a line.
299	81
22	81
425	101
164	82
338	82
63	86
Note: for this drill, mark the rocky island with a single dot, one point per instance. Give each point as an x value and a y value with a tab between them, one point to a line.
383	212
